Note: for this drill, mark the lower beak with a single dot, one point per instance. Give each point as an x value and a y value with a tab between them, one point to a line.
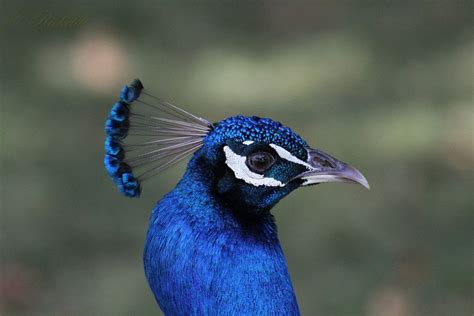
324	168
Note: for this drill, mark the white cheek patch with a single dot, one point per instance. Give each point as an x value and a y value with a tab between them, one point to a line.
237	164
285	154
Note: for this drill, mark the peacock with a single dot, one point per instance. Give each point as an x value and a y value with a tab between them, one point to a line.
212	246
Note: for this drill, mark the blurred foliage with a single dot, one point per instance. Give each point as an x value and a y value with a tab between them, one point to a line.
384	85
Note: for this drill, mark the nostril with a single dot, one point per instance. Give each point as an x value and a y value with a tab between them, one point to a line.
323	162
327	163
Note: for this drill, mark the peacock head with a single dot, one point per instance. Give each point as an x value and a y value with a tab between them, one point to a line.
258	161
250	162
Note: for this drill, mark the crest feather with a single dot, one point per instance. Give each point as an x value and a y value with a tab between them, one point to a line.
146	135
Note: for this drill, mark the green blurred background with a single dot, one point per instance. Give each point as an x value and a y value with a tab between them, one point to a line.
384	85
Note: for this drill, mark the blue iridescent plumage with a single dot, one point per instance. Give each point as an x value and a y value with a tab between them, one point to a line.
263	130
212	246
113	147
116	128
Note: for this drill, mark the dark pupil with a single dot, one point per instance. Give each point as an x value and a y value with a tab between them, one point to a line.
260	161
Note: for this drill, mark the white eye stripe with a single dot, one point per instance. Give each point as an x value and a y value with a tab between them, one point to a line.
285	154
248	142
237	164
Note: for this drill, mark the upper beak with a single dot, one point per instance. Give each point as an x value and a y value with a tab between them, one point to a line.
324	168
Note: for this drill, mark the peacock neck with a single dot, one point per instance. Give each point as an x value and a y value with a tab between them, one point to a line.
204	257
206	207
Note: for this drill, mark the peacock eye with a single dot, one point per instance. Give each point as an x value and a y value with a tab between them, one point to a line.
260	161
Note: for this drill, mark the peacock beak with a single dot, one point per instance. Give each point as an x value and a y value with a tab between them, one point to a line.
325	168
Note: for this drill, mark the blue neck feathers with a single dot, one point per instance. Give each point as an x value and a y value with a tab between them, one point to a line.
203	257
